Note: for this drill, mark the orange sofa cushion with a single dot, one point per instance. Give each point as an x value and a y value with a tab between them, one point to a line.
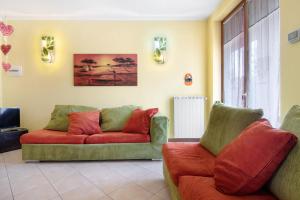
84	123
117	137
203	188
187	159
245	165
140	120
51	137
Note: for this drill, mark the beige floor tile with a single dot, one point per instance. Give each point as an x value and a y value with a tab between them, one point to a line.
95	170
1	157
103	180
2	170
5	191
118	166
152	182
71	182
13	157
153	166
108	181
106	198
21	171
56	171
41	192
130	192
57	198
87	166
24	184
156	197
84	193
132	172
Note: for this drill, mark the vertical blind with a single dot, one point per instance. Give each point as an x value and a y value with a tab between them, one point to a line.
264	58
257	84
233	69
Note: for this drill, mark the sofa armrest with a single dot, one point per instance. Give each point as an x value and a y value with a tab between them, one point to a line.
159	129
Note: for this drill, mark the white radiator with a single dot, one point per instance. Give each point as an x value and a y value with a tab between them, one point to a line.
189	116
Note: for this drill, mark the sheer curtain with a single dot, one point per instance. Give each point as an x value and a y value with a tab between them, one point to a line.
264	58
233	69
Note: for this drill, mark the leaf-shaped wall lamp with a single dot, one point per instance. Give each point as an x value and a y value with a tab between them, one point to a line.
47	49
160	48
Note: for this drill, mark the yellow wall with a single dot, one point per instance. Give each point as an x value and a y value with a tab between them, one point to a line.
44	85
290	55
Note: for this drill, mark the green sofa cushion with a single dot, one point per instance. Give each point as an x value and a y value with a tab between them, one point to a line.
114	119
226	123
285	184
59	117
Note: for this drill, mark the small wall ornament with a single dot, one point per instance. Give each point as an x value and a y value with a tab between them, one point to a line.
188	79
5	31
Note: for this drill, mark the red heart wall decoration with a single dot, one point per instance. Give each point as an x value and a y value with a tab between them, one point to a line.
1	26
6	66
6	30
5	48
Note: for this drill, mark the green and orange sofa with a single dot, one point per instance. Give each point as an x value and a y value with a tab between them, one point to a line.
58	145
189	167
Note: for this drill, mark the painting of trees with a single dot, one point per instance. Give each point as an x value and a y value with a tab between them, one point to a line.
88	63
105	69
124	61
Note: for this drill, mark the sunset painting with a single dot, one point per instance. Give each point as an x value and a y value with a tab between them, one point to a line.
105	69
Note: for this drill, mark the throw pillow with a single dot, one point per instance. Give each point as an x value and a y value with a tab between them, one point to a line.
114	119
139	122
59	118
225	124
84	123
245	165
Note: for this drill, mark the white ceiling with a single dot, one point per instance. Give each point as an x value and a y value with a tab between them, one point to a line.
108	9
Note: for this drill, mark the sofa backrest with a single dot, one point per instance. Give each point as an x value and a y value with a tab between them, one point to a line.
59	117
285	184
226	123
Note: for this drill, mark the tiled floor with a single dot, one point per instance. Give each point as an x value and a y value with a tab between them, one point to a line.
106	180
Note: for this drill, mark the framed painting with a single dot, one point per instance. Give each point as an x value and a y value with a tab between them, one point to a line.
105	69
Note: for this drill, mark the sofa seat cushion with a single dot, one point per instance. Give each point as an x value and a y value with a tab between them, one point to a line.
190	158
203	188
118	137
51	137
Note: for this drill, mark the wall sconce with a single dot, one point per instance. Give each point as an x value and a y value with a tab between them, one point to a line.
160	48
47	49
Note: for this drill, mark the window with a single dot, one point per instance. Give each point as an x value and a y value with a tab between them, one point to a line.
251	57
